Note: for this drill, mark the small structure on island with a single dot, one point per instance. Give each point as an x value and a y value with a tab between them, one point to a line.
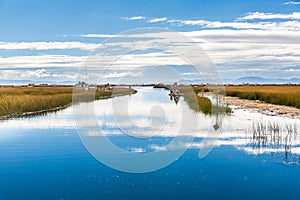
104	88
107	87
174	90
82	86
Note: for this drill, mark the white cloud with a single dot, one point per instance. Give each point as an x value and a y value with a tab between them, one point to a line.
137	150
258	49
98	35
46	45
225	46
261	15
239	23
189	73
154	20
292	3
225	36
237	50
121	74
41	61
286	25
237	45
36	75
133	18
41	73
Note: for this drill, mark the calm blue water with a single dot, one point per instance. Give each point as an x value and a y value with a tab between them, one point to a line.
43	158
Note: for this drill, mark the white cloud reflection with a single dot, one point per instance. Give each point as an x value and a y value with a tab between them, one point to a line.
237	129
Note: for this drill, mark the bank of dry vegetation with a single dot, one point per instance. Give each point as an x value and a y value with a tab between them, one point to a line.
21	101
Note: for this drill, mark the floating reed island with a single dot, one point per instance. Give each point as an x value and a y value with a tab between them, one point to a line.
286	95
199	102
24	101
195	98
274	100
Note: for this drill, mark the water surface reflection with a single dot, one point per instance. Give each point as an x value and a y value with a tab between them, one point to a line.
43	156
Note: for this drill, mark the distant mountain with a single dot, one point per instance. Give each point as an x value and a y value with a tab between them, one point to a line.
259	80
201	81
250	79
295	80
245	80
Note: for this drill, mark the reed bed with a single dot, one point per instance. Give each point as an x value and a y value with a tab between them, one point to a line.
21	101
18	101
201	103
27	104
198	103
288	95
273	129
275	135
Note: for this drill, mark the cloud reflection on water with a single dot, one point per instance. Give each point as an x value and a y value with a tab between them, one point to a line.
237	130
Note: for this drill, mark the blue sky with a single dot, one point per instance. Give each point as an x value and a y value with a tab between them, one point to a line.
49	40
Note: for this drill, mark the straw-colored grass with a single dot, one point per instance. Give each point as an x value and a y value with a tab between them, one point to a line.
21	101
288	95
201	103
195	102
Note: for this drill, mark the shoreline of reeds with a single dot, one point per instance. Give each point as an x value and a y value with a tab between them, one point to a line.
22	102
35	113
286	95
203	104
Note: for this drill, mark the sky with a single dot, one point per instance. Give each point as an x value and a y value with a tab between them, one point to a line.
50	40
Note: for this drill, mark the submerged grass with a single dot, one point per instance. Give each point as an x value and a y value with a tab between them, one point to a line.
275	135
21	101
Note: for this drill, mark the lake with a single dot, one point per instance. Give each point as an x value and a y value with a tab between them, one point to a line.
253	157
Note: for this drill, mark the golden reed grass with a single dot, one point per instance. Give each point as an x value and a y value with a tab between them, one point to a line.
288	95
19	101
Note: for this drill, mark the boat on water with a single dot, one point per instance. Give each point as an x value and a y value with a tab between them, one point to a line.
174	90
175	93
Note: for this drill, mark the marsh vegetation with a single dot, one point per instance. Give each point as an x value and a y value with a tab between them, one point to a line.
275	136
198	102
21	101
288	95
